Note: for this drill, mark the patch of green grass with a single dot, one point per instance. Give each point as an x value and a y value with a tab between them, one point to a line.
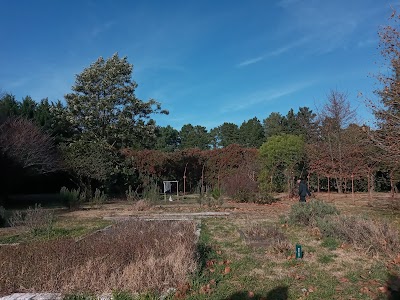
62	229
353	276
330	243
326	258
10	239
79	297
309	249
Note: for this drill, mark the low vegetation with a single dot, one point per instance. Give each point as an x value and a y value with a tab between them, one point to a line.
133	256
248	255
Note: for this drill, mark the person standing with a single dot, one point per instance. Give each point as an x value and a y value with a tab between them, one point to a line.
303	190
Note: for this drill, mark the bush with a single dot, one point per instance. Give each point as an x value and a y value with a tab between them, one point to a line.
372	236
216	193
308	213
151	193
131	195
71	198
36	219
240	187
4	216
265	198
99	197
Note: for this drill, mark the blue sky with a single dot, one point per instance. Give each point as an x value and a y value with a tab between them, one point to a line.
207	62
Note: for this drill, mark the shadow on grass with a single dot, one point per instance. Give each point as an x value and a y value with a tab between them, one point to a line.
204	253
278	293
393	285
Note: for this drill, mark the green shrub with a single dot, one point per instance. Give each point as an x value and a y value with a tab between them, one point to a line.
99	197
4	216
151	193
308	213
330	242
71	198
131	195
216	193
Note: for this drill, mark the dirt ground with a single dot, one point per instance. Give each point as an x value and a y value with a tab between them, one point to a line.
374	204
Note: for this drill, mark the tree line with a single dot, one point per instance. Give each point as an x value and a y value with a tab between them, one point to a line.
105	137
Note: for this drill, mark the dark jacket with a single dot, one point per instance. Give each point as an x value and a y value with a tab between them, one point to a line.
303	190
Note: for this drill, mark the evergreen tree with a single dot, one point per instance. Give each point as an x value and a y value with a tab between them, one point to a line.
167	139
194	137
9	106
251	133
103	106
225	134
274	125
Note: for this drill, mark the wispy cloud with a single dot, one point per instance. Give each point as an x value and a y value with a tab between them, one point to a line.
265	96
332	25
99	29
251	61
367	43
275	52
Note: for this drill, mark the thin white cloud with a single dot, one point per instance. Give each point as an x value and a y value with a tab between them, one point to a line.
367	43
16	83
332	25
99	29
251	61
275	52
265	96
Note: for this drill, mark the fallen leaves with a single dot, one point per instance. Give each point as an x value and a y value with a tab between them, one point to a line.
343	280
227	270
396	260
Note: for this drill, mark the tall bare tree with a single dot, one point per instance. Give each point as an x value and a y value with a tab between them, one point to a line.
333	147
387	110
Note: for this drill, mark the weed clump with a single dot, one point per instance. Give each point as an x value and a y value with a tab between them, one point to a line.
36	219
372	236
269	236
308	214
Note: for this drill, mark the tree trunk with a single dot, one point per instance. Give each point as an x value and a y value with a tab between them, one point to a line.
372	182
339	185
329	188
391	183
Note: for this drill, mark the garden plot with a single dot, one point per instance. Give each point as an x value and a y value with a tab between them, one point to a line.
134	256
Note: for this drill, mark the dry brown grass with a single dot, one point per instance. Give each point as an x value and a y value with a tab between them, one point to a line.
135	256
141	205
376	237
269	236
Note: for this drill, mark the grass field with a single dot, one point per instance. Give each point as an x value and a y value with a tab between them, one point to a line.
250	254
